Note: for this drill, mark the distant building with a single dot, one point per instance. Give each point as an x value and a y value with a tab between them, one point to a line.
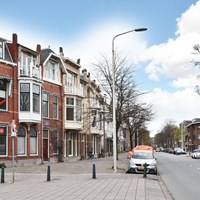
193	134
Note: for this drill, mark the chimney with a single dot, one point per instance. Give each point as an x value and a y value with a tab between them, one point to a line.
78	61
14	47
61	51
14	38
84	72
38	48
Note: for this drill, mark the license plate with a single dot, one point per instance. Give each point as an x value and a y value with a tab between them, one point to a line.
141	168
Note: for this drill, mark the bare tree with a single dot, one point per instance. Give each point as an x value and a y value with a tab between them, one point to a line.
196	49
136	117
125	89
169	135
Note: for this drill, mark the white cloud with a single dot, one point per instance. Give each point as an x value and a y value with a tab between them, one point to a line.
178	106
99	40
171	59
189	20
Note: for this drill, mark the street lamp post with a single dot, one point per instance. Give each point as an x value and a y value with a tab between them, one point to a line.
114	99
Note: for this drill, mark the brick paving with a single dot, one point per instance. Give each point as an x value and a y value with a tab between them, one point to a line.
74	180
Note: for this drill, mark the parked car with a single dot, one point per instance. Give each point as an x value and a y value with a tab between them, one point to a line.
170	150
179	151
195	154
139	159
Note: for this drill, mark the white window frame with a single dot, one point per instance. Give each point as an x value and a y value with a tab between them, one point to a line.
72	106
29	92
27	63
70	141
25	144
34	154
38	95
70	82
79	110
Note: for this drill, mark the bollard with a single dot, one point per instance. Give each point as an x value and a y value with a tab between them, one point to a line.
48	173
145	170
94	172
2	175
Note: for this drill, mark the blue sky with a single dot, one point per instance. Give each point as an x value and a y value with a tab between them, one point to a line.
162	55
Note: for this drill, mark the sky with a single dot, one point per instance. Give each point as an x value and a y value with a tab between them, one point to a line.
162	56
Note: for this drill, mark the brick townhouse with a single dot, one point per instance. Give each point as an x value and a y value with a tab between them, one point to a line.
57	109
8	97
193	134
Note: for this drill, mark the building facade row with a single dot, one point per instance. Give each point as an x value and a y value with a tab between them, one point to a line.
59	112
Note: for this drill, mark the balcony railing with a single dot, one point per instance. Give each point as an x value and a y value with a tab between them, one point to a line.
30	71
73	90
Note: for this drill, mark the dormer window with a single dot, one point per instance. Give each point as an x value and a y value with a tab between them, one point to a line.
1	49
52	71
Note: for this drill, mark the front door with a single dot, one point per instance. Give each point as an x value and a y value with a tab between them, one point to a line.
45	149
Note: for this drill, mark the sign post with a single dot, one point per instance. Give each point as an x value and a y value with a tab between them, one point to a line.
13	135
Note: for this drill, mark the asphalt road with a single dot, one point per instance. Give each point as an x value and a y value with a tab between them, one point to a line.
181	175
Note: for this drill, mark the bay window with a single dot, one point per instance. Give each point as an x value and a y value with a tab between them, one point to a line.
70	109
78	110
36	98
24	97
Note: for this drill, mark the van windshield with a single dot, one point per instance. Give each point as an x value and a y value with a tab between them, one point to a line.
143	155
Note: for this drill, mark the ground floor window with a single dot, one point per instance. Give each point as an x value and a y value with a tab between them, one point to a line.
3	141
55	141
70	144
33	141
21	141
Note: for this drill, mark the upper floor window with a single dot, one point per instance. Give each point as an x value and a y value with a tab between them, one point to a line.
51	71
55	106
3	94
45	98
27	63
70	82
36	98
78	110
1	49
70	108
24	97
3	141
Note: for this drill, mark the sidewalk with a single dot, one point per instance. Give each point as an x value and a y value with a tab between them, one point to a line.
74	180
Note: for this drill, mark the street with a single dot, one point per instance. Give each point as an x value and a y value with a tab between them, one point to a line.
73	180
181	174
